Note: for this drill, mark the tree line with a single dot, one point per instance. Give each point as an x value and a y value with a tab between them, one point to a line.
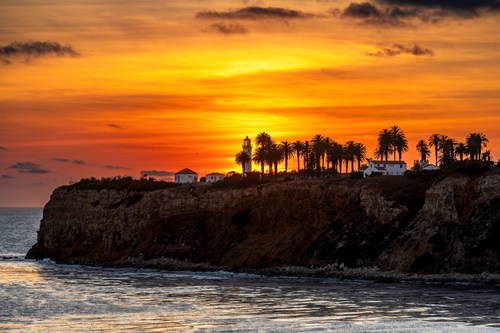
448	150
321	154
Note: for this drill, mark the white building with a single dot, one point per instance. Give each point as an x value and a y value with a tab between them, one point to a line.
214	177
386	168
247	148
186	176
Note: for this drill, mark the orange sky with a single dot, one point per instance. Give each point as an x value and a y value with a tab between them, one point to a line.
163	85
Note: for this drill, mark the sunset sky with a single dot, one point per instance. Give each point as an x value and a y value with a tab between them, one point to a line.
104	88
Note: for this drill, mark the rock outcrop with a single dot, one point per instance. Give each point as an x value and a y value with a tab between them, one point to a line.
401	224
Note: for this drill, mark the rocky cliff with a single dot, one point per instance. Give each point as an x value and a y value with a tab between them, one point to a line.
404	224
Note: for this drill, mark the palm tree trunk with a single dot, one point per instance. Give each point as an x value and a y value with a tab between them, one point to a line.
298	161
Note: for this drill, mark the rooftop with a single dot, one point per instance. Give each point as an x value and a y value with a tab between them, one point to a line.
186	171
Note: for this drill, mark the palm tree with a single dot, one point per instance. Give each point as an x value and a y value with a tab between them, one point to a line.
326	143
423	150
263	139
335	156
306	153
298	147
475	143
434	141
260	157
448	150
385	142
275	156
318	149
359	153
350	151
287	151
461	150
396	133
242	158
401	145
487	156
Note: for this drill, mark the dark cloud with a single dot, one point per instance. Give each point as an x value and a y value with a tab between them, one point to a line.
461	6
115	126
371	14
226	28
3	148
255	13
404	13
65	160
157	173
398	49
29	167
115	167
25	51
7	177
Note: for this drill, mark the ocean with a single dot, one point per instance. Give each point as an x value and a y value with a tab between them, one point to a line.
43	296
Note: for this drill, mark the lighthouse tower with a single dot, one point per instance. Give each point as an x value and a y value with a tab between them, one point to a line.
247	148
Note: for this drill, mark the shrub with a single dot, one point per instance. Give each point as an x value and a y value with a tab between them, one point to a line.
120	184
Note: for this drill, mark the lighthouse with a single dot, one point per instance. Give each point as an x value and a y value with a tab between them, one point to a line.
247	148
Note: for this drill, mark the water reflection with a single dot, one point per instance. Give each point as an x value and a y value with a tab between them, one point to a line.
58	298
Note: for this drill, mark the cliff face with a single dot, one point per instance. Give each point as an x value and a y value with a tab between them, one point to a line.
393	223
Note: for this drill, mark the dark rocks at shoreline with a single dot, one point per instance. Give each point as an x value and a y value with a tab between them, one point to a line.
395	225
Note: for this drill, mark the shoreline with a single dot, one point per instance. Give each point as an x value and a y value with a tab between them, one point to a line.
369	274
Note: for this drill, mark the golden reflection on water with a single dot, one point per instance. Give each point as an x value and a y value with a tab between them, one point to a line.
16	273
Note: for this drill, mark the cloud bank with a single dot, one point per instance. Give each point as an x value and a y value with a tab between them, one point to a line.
398	49
65	160
403	12
255	13
25	51
115	167
157	173
7	177
226	28
29	167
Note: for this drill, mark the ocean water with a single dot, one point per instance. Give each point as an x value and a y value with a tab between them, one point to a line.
42	296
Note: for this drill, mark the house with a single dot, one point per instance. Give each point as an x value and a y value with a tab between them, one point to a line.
386	168
186	176
214	177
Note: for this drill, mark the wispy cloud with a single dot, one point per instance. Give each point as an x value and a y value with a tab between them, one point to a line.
29	167
256	13
226	28
3	148
398	49
7	177
115	167
116	126
157	173
65	160
24	51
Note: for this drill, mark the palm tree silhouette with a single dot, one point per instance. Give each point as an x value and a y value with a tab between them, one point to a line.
359	153
298	147
318	149
350	151
287	151
395	134
486	156
260	157
461	150
385	142
401	145
275	156
475	143
434	141
423	150
263	139
242	158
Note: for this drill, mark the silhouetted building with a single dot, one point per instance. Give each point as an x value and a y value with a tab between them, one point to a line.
214	177
386	168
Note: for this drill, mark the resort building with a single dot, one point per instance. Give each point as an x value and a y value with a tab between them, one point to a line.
386	168
214	177
186	176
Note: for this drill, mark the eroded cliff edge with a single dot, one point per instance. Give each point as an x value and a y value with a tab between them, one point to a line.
402	224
